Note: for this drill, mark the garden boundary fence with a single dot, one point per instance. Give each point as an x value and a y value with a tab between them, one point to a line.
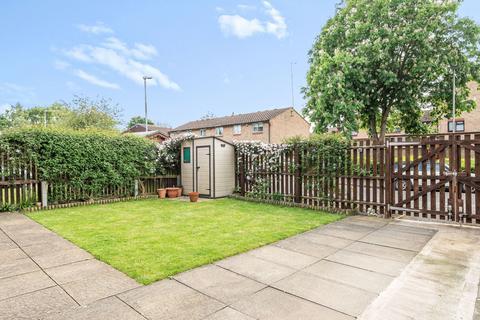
21	187
433	176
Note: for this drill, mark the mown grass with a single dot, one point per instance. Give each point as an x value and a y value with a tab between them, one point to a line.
153	239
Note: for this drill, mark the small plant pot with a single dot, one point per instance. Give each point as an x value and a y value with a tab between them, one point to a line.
172	192
180	191
193	196
162	192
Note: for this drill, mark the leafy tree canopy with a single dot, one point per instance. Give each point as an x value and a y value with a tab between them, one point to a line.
138	120
378	58
80	113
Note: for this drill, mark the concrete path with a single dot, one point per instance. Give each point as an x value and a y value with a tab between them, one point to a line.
359	267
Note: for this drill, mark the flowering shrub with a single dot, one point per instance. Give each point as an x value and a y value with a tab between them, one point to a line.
168	154
323	155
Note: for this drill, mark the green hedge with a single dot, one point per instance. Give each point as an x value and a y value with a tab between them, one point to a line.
87	160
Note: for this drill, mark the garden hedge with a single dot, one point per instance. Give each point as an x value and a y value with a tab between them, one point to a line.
88	160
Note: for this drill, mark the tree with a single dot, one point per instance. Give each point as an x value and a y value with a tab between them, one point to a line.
88	113
138	120
378	58
80	113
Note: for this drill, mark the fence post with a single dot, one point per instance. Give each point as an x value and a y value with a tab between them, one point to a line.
298	175
241	180
388	178
44	193
136	188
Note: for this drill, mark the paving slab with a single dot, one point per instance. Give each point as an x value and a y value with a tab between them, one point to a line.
56	253
169	299
363	261
79	271
345	230
283	256
383	252
274	304
343	298
36	305
15	262
327	240
219	283
355	277
98	287
110	308
400	240
24	283
306	247
366	221
228	314
255	268
447	269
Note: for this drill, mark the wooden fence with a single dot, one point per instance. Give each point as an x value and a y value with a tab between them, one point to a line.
357	181
21	187
435	177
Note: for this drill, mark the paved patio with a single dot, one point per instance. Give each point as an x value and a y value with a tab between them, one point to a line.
359	267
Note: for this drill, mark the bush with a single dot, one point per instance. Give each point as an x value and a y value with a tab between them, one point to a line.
88	160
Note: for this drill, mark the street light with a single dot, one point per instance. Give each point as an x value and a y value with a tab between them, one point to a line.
145	78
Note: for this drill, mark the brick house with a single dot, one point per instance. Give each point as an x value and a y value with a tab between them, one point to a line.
155	133
466	122
270	126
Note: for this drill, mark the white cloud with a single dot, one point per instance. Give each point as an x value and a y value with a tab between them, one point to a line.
139	51
278	27
117	56
94	80
239	26
242	27
98	28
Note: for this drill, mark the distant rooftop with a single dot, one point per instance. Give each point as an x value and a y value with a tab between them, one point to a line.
258	116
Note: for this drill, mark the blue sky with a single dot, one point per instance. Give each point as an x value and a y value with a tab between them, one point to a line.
206	56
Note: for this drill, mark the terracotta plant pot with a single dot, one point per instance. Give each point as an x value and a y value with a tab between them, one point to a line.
161	193
193	196
172	192
180	191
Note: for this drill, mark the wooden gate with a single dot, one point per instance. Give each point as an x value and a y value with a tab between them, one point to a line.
435	177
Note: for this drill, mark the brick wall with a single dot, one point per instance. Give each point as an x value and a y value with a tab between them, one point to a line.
472	119
288	124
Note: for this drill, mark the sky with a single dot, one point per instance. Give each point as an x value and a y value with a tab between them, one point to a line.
205	57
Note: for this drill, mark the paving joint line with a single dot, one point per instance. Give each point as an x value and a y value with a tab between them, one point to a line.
127	304
41	268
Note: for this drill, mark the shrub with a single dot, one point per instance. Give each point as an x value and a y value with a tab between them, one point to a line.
88	160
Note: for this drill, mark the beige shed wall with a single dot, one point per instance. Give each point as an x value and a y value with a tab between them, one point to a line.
224	169
186	173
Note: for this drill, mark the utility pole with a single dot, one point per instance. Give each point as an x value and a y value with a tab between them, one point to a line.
145	78
291	82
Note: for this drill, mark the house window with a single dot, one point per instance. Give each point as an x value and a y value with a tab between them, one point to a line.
219	131
237	129
459	125
257	127
186	155
203	132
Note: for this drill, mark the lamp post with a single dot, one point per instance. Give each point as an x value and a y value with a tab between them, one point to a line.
291	82
145	78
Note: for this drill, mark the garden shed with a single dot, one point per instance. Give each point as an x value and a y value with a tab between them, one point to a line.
208	167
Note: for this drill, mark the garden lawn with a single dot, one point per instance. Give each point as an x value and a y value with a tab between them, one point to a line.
153	239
